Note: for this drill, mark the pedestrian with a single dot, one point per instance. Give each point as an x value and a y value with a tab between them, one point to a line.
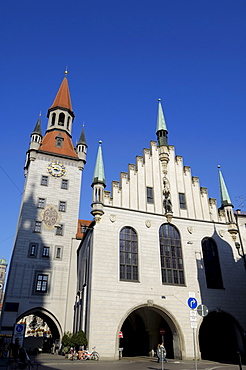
161	353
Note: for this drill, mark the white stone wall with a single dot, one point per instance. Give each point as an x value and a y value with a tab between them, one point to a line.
62	273
110	300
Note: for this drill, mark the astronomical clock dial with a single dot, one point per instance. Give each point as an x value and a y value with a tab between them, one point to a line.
56	169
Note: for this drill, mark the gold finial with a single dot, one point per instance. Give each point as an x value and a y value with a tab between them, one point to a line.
218	166
66	71
40	114
159	99
100	142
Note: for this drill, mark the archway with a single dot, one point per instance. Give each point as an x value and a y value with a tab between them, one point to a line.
220	338
42	340
141	333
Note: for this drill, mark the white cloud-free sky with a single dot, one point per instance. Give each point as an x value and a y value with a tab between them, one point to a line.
122	56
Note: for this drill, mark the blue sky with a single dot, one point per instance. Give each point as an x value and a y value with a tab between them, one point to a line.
122	56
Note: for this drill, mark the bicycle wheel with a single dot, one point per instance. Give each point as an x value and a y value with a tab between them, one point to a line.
33	365
95	356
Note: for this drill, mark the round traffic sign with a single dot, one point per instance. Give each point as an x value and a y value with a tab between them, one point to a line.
162	331
120	334
202	310
192	303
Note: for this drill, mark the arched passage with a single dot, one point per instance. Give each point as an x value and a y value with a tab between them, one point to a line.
50	320
141	333
220	338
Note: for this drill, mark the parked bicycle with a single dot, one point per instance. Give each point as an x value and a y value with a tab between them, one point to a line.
25	364
87	355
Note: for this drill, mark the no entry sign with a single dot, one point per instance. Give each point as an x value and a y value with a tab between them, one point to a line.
162	331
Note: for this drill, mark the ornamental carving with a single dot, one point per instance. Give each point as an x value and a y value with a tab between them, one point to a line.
112	218
190	229
50	216
148	223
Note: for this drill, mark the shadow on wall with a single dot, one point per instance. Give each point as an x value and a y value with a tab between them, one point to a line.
220	335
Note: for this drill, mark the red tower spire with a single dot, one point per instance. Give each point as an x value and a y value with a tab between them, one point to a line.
62	98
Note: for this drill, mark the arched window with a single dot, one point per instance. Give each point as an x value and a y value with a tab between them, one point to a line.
68	123
128	254
172	268
53	119
211	264
61	119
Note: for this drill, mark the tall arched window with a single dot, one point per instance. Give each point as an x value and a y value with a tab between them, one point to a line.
53	119
128	254
61	119
211	264
172	268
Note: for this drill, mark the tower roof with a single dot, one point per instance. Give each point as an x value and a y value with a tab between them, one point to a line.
161	123
3	262
49	144
82	139
62	98
224	195
99	175
37	128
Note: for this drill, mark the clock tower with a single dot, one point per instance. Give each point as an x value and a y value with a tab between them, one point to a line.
42	275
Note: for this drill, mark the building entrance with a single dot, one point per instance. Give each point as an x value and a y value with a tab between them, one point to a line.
41	330
141	333
220	338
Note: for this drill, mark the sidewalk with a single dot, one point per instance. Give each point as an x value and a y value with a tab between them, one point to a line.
49	359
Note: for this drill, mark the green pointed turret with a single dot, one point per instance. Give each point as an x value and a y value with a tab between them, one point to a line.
99	176
161	127
224	195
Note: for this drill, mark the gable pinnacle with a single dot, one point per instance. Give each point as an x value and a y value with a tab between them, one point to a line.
224	195
99	176
161	127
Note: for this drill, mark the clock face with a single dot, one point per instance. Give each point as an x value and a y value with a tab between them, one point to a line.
56	169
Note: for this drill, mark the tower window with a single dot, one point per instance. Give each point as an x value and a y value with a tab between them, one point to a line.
37	227
58	252
33	249
62	206
59	230
68	123
128	254
182	201
53	119
46	252
211	264
41	283
44	180
61	119
172	269
150	198
64	184
41	202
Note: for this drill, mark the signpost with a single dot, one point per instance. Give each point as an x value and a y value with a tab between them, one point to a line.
202	310
19	332
192	303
